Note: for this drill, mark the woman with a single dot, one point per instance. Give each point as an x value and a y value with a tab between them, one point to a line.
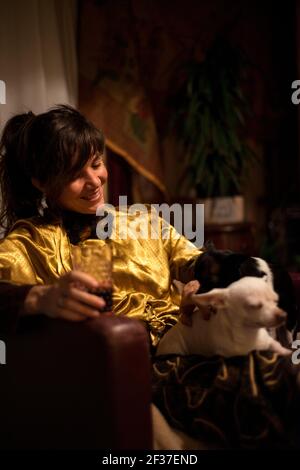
52	177
56	160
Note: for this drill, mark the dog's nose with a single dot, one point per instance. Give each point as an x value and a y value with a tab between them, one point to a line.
280	316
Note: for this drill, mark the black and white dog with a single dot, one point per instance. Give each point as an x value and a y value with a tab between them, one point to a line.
220	268
246	311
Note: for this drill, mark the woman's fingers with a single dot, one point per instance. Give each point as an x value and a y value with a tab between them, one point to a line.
78	277
74	296
69	298
87	298
71	316
187	304
191	287
76	307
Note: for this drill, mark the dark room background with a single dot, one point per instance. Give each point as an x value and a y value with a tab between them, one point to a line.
148	40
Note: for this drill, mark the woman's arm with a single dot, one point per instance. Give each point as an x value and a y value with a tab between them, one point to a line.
68	298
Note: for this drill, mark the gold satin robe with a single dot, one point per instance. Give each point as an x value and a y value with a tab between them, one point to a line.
143	269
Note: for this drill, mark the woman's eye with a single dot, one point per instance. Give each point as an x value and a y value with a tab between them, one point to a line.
97	164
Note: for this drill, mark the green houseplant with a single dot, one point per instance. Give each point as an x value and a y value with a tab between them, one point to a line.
209	112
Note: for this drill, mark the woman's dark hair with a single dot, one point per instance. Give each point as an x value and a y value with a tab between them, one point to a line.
52	148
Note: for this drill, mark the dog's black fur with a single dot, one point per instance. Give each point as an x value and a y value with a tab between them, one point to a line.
219	268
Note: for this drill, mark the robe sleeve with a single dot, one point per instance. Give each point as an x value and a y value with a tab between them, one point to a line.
12	299
25	261
182	254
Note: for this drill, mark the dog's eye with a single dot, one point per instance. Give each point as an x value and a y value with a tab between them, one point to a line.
256	305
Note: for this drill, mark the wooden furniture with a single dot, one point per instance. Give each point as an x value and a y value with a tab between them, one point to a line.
236	237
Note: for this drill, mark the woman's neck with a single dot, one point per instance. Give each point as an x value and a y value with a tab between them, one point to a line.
79	227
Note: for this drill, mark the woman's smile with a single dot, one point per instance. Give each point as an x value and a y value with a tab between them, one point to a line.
94	196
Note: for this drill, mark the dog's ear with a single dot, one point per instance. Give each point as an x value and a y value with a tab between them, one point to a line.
216	298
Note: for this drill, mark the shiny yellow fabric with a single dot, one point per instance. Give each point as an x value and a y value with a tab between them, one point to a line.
143	268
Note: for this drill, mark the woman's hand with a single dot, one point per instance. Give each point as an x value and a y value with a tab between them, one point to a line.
68	298
187	304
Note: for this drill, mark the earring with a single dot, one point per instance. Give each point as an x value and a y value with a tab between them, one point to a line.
43	205
44	201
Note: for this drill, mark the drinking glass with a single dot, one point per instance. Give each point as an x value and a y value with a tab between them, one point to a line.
96	260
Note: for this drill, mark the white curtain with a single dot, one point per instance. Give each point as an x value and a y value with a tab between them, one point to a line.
37	55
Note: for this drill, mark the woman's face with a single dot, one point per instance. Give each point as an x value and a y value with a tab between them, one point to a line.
85	193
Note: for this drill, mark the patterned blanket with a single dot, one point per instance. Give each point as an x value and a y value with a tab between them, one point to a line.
248	401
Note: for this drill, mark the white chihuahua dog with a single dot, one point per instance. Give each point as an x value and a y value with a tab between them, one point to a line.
242	313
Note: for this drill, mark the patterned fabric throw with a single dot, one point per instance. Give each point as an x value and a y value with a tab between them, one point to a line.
241	402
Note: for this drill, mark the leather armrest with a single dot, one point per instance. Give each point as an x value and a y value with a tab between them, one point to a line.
76	385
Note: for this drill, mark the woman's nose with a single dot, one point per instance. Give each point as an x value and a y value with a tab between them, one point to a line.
92	179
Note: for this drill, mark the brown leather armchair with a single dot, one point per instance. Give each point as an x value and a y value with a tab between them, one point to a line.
76	386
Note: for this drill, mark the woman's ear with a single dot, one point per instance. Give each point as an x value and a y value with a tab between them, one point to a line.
37	184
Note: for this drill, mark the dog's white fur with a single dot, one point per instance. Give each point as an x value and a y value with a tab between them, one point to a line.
243	312
265	268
